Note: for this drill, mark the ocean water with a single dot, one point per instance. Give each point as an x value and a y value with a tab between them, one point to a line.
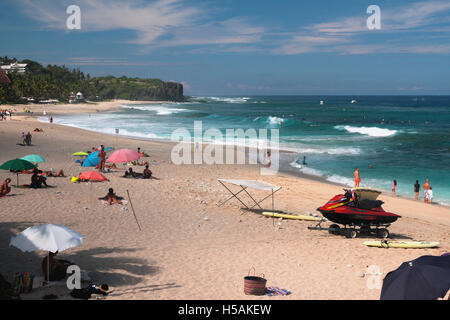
406	138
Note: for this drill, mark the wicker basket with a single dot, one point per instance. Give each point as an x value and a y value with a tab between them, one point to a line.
254	285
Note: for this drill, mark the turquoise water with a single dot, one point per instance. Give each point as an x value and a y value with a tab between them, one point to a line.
405	138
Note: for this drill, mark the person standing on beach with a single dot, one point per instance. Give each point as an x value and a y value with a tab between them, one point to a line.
426	187
394	185
102	156
417	190
430	195
357	178
268	159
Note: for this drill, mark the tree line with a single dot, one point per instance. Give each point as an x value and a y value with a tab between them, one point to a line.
58	82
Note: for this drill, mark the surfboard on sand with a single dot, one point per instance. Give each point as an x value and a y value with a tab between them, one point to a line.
291	216
402	244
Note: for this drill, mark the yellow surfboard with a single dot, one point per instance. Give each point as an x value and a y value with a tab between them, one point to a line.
291	216
402	244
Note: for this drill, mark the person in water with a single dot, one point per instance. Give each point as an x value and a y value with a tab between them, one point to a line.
416	190
5	188
357	178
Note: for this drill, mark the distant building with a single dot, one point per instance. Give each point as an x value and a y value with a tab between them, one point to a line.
75	98
15	67
80	96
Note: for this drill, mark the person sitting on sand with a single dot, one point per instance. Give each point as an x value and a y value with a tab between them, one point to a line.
57	269
132	174
37	180
111	197
111	166
5	188
38	130
60	173
147	174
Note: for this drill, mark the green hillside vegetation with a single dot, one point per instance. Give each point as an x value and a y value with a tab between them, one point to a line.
58	82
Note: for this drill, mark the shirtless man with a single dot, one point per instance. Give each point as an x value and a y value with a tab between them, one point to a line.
148	174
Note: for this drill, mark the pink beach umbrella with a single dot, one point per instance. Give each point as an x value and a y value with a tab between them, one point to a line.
123	155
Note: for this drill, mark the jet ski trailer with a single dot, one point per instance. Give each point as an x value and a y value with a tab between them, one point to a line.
358	211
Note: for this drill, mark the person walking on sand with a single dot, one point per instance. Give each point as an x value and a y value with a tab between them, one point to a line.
357	178
394	185
417	190
102	156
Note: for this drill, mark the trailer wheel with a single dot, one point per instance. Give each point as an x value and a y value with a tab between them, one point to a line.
351	233
383	233
334	229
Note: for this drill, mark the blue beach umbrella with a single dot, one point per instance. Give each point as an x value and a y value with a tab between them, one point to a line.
92	160
33	158
425	278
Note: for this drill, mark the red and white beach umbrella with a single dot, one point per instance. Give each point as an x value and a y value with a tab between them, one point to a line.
123	155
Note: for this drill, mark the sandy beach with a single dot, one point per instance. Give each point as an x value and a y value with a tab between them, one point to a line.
189	248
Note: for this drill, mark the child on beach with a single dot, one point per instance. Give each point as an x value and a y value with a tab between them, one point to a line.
417	189
430	195
426	187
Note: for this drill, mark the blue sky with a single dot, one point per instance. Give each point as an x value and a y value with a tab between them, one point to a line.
246	47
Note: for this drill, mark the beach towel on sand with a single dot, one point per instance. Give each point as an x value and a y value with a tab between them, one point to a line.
275	291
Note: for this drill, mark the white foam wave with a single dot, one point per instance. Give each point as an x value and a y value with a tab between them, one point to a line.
370	131
224	99
159	109
274	120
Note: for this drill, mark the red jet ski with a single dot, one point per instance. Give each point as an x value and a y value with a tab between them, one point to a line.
358	209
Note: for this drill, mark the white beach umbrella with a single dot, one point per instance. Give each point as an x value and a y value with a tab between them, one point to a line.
48	237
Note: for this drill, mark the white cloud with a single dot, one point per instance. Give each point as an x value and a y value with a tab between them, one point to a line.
161	23
350	35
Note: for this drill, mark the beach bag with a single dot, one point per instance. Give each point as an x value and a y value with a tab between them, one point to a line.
75	179
254	285
84	293
23	283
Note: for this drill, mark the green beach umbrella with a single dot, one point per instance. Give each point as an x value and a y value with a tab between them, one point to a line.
17	165
80	153
33	158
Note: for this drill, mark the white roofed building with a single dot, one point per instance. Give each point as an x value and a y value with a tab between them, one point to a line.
15	67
